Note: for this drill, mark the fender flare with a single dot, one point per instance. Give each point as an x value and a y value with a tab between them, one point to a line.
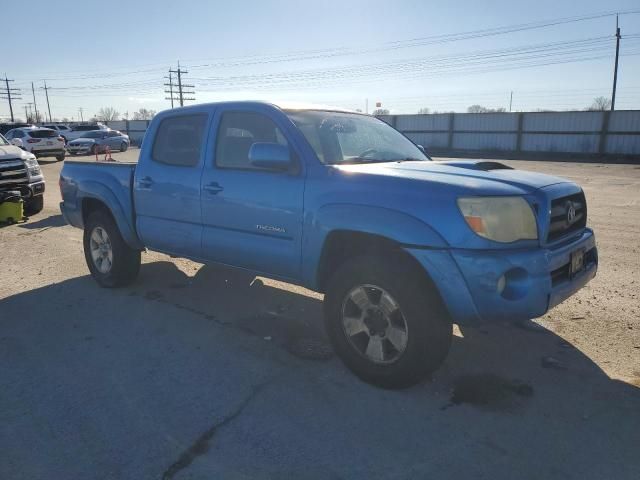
394	225
98	191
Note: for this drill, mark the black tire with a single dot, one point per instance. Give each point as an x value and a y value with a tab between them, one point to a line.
60	157
94	150
428	327
123	147
33	205
125	263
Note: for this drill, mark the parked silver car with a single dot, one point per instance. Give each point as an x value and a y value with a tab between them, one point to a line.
97	141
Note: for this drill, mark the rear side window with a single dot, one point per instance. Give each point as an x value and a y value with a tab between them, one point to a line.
86	128
179	140
43	133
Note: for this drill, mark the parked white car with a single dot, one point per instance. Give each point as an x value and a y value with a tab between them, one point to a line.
63	130
42	142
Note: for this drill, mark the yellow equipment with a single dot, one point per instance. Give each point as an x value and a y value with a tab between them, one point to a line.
11	207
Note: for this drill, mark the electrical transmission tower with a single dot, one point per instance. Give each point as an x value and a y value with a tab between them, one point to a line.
10	94
182	89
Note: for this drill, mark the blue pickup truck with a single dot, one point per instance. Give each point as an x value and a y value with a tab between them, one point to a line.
343	204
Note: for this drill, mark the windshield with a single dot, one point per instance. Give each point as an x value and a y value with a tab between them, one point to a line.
94	134
343	138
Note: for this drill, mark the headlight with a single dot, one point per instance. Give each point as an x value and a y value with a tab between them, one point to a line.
32	166
502	219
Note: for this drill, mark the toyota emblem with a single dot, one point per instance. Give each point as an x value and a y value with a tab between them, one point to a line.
571	213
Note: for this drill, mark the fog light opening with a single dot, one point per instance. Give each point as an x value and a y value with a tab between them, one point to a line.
516	284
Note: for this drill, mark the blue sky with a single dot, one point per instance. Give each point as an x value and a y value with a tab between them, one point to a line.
96	54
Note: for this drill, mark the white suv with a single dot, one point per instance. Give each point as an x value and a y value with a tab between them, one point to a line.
42	142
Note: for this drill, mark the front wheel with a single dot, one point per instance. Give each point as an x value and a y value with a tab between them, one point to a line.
110	260
123	147
60	157
385	321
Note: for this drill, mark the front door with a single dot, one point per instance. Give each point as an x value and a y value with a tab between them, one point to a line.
167	185
252	217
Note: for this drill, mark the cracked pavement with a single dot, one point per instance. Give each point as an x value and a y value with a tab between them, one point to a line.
200	372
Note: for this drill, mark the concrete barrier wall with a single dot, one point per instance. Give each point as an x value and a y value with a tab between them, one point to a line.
591	133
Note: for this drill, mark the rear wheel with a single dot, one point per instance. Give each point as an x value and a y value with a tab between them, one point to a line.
385	321
94	150
33	205
60	157
111	261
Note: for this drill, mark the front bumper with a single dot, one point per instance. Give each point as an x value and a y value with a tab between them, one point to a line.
27	190
535	280
80	148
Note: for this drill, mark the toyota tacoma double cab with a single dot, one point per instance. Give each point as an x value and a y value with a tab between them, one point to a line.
341	203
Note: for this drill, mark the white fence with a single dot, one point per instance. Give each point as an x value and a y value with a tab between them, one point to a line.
591	133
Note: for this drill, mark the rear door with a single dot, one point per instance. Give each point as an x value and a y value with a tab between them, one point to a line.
167	184
252	217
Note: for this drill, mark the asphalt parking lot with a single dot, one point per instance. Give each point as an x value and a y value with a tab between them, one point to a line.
201	372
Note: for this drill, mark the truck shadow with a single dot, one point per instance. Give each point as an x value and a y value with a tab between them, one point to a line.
506	396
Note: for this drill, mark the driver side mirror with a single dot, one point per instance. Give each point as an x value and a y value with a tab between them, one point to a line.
16	142
271	156
422	149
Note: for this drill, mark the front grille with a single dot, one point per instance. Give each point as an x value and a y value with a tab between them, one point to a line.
12	171
562	222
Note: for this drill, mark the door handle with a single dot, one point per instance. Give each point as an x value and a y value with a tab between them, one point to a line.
145	182
213	188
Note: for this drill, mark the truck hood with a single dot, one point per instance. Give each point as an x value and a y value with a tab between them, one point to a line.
8	152
486	176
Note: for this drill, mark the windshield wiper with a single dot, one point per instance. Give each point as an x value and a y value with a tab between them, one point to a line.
358	160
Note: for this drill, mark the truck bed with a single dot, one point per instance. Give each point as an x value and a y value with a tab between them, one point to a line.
112	182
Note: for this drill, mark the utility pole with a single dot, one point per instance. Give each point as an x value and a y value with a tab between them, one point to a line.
80	113
511	100
35	105
26	115
46	92
615	68
181	87
10	94
170	85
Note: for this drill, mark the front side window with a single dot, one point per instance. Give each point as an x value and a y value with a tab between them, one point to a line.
94	134
238	131
179	140
343	138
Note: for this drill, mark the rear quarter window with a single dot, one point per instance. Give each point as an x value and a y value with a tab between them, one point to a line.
179	140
